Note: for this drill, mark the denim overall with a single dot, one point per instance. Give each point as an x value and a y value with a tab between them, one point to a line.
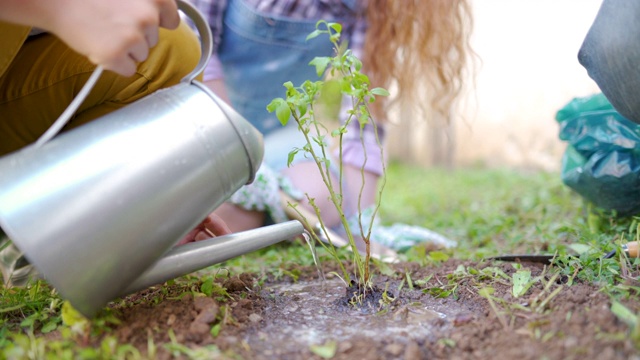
259	52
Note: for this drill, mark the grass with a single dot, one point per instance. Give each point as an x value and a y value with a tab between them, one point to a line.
486	209
489	212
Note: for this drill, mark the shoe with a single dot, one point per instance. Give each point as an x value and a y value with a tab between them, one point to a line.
16	269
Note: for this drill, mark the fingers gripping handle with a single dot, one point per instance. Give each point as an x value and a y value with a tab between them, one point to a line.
206	44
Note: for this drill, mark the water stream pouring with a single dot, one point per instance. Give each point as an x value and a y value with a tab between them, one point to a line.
96	207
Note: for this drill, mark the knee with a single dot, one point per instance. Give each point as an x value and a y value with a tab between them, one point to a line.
610	54
175	56
610	45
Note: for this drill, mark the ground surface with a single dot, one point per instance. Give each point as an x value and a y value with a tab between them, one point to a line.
449	304
304	320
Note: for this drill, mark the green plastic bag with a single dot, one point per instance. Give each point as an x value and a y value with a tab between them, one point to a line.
602	159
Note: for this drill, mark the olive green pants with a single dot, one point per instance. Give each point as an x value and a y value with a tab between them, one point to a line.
46	75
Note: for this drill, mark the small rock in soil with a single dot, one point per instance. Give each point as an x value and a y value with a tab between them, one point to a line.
255	318
203	302
462	319
412	351
344	346
199	328
394	349
207	316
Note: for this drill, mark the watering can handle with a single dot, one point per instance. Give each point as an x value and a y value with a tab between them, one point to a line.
206	43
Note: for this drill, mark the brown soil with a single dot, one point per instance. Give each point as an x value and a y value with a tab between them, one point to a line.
287	320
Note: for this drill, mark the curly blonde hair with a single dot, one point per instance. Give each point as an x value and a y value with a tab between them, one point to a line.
421	48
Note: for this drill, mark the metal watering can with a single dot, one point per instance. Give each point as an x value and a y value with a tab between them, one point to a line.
98	209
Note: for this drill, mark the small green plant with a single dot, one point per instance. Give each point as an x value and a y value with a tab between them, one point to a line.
179	350
35	307
212	289
628	317
344	77
521	282
487	293
326	350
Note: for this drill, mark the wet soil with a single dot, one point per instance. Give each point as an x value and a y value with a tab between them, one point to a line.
308	319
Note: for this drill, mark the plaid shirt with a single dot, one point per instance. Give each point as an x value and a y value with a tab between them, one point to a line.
213	10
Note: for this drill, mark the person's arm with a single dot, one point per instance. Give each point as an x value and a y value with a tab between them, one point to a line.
211	226
115	34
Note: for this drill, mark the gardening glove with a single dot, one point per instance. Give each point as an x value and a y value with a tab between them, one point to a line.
399	237
263	194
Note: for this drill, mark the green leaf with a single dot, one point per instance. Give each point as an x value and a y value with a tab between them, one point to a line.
50	325
273	105
624	314
291	156
73	318
438	256
360	79
486	292
357	64
326	351
320	141
29	321
380	91
314	34
302	109
337	27
437	292
447	342
521	282
321	63
283	113
595	222
460	270
307	148
107	345
409	281
424	281
215	329
88	353
207	286
580	248
363	119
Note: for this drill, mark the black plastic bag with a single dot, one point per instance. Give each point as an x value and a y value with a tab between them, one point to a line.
602	159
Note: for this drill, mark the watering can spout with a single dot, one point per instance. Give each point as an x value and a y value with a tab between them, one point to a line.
185	259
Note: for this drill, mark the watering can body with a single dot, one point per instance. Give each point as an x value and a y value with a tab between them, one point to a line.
96	206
